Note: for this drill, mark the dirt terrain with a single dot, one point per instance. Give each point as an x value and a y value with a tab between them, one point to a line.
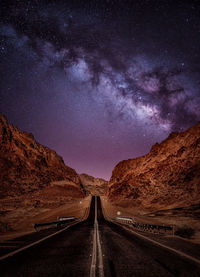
185	217
20	220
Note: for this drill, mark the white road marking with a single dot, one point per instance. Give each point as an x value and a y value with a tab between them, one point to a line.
101	273
39	241
36	242
180	253
96	258
155	242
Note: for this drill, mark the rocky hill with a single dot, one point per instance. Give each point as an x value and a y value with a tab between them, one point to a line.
26	166
169	176
93	186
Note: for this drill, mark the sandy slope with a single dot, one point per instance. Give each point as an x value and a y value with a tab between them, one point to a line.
21	219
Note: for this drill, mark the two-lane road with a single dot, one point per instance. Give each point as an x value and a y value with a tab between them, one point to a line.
124	254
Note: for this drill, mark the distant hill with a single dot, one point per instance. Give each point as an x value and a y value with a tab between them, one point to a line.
94	186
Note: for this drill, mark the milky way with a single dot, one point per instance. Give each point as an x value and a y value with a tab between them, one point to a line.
100	81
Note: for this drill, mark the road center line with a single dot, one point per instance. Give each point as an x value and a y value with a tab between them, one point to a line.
97	257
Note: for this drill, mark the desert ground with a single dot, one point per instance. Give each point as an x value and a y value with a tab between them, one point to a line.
186	217
18	216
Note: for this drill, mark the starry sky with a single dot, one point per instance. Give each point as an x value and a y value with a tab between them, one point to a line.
100	81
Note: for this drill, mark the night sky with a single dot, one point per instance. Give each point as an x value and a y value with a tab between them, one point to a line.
100	81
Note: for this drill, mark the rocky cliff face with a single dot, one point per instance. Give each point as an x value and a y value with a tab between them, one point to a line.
169	176
26	166
94	186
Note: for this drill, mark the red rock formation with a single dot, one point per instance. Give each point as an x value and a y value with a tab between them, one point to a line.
169	176
26	165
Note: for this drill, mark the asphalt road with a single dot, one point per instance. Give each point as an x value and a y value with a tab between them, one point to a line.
70	254
124	254
67	254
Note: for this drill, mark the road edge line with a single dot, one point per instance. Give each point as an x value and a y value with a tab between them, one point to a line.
39	241
35	243
180	253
